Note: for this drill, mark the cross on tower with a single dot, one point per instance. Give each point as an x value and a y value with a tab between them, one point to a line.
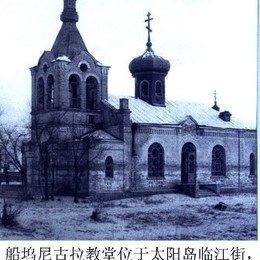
149	44
215	101
215	96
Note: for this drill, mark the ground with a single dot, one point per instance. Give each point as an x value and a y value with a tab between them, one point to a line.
163	217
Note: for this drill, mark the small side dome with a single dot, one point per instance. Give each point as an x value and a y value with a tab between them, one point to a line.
149	62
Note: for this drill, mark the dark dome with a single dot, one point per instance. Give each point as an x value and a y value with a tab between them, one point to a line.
149	62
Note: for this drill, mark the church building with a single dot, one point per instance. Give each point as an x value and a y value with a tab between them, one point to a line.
83	138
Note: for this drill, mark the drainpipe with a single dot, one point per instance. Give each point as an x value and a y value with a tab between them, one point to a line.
134	128
134	155
239	169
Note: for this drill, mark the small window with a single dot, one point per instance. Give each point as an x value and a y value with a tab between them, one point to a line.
144	89
83	67
109	167
252	164
45	67
218	161
158	88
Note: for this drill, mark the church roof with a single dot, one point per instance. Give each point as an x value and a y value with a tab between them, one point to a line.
175	112
68	42
149	62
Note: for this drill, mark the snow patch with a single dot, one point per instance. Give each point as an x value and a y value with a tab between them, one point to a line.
63	58
148	53
138	218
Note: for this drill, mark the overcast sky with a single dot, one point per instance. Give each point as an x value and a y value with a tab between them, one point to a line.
211	44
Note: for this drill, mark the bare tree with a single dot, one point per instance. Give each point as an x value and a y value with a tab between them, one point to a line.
79	146
45	138
11	142
77	152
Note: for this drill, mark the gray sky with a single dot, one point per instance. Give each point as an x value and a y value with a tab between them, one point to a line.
211	44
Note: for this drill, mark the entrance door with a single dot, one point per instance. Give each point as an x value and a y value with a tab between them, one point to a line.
188	164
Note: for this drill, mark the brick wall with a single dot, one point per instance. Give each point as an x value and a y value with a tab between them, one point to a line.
172	139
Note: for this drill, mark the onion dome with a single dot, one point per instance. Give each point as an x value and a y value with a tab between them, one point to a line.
149	71
149	62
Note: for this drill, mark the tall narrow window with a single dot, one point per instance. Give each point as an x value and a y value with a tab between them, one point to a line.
252	164
50	92
144	89
40	94
74	88
156	160
109	167
158	88
91	92
218	161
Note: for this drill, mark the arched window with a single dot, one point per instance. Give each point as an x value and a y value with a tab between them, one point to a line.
45	67
50	92
158	88
156	160
252	164
109	167
40	94
218	161
91	92
74	89
144	89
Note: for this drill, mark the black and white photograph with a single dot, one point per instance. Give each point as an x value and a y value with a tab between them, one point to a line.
128	120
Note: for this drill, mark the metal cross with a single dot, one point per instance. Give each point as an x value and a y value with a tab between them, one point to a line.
215	96
149	44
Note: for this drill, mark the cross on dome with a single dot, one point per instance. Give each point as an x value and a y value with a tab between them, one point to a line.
148	27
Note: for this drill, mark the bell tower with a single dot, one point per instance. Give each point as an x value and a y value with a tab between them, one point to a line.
68	83
149	71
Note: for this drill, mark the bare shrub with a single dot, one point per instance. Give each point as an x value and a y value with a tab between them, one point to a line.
9	214
100	214
221	206
96	215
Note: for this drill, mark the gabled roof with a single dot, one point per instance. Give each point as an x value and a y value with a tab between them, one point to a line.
101	134
175	112
189	120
